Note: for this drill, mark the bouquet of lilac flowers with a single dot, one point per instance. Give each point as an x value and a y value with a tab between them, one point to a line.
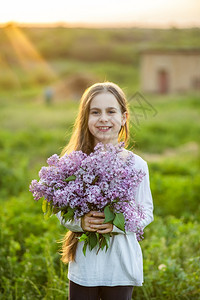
103	181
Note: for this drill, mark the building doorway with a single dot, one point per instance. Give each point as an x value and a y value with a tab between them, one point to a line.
196	83
163	82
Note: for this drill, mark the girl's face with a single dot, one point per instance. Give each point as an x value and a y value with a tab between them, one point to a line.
105	118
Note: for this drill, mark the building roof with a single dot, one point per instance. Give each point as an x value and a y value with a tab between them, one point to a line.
189	51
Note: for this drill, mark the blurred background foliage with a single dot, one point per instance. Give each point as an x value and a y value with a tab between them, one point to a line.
31	129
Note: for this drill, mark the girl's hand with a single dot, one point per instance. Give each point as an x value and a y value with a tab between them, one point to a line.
93	221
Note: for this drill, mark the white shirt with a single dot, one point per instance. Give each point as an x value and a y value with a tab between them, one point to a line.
122	264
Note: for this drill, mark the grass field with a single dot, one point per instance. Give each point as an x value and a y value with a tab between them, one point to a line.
167	137
29	259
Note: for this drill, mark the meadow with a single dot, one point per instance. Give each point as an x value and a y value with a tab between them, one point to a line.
31	131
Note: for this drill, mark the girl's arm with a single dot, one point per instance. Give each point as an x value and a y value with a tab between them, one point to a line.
144	198
74	226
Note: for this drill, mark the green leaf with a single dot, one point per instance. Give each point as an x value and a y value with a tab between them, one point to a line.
92	240
97	235
49	211
64	211
69	215
55	210
83	238
103	243
107	238
44	206
109	215
70	178
84	248
119	221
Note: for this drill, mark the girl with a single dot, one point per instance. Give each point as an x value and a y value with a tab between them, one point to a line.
103	117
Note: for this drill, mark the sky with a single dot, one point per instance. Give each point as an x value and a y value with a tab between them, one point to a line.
144	13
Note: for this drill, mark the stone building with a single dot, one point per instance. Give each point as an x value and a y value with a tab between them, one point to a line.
170	71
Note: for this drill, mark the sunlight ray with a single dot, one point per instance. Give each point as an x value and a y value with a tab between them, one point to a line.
28	56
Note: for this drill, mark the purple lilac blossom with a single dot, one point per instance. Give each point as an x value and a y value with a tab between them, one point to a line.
102	178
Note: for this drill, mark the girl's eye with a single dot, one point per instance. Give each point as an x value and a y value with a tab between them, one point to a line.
94	112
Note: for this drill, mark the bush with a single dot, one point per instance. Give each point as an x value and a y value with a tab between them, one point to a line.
175	195
30	266
171	260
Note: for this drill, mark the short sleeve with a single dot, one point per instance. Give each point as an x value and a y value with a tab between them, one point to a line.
74	226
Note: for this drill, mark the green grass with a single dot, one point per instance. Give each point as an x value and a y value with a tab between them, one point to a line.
31	131
29	259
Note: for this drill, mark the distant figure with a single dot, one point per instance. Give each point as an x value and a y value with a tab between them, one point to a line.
48	95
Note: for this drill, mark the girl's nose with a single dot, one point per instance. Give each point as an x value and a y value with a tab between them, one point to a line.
103	117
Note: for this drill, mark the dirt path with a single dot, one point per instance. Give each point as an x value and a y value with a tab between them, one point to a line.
191	148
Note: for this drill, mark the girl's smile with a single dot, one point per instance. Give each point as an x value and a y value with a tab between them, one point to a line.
104	128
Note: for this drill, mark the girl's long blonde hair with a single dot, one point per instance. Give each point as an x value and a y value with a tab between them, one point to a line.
82	139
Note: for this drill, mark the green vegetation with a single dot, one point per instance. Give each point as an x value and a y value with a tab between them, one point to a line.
31	131
29	259
24	52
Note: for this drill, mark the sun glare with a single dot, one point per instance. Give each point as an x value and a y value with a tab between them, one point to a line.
25	50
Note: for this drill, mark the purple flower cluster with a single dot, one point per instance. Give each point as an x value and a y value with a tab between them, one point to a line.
91	182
